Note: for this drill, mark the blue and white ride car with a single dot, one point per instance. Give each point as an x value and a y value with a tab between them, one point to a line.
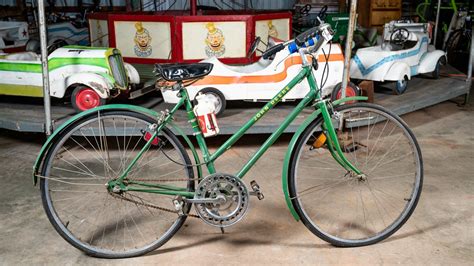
404	53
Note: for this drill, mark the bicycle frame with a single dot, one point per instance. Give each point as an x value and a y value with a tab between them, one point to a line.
313	95
422	7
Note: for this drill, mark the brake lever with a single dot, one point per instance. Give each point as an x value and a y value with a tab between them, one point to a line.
285	44
281	61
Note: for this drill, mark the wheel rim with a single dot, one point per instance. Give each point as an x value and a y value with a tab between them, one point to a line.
350	92
87	99
100	223
345	210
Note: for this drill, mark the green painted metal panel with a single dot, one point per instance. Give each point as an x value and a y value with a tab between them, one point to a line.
21	90
53	64
87	47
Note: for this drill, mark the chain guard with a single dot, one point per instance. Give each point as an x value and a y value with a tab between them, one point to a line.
233	200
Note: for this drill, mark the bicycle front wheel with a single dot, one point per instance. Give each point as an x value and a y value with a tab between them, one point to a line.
91	152
347	210
458	47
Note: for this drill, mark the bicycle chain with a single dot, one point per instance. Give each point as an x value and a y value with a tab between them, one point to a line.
154	206
150	205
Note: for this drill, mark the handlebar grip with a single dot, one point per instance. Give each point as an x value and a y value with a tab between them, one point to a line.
273	50
293	47
305	36
318	45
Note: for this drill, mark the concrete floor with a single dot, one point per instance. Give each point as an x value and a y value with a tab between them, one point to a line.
441	231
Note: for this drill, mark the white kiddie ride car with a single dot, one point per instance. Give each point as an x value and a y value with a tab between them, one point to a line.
404	53
261	80
13	34
89	75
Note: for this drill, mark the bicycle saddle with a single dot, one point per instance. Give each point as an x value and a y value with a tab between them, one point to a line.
178	72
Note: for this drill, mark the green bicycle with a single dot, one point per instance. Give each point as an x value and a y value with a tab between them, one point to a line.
117	182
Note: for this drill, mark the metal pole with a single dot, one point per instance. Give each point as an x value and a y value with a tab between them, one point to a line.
348	49
44	63
193	7
469	72
436	23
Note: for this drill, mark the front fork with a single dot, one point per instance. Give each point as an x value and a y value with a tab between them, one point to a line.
333	141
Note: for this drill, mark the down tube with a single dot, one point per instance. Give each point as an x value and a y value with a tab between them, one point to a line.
224	147
306	100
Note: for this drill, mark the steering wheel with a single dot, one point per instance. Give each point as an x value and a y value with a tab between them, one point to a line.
253	47
55	45
399	36
304	11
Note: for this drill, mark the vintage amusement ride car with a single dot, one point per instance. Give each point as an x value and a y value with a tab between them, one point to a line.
404	53
89	75
261	80
13	35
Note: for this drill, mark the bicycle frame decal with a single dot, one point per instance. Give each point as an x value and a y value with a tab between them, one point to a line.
273	102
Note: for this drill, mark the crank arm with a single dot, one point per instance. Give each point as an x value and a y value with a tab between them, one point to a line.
200	201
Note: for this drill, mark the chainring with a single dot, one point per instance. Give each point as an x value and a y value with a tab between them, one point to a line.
233	200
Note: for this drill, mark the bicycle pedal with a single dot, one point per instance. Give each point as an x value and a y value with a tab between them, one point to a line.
256	190
178	205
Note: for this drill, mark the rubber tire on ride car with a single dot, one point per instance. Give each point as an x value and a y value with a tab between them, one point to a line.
84	98
63	230
435	73
351	90
401	86
220	97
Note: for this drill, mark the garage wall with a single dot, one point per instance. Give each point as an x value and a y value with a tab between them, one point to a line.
237	4
179	4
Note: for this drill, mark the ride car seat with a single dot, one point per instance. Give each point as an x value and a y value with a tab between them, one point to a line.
23	56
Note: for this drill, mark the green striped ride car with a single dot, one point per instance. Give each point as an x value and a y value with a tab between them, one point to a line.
89	75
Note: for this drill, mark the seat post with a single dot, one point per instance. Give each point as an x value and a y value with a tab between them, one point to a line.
197	131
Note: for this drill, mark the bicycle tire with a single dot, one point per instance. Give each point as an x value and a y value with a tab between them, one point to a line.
458	45
336	216
144	228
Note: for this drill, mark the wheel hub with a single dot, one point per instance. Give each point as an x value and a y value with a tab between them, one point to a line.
87	99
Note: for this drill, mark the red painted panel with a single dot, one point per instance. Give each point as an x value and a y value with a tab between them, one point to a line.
176	18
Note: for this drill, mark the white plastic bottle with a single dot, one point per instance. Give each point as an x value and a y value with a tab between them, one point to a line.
205	113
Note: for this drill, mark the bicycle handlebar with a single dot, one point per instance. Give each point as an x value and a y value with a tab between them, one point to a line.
304	37
310	39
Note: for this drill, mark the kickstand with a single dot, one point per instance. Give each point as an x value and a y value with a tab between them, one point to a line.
222	228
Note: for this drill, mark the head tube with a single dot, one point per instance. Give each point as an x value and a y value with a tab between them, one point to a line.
302	52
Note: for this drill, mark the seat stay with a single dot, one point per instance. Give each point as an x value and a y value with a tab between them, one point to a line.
161	124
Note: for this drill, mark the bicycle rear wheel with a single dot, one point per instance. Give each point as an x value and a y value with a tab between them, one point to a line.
458	47
347	210
96	149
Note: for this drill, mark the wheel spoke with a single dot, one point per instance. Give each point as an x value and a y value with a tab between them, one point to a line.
349	209
74	185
